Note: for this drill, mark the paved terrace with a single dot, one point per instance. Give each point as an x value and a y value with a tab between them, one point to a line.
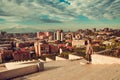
75	70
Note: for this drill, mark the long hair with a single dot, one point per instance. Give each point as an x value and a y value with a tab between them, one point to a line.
89	41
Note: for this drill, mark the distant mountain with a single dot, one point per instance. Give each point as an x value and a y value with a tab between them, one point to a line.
20	30
27	29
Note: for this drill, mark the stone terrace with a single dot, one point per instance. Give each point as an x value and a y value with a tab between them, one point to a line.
75	70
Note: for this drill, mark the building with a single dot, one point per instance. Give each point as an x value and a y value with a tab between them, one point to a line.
78	43
94	30
6	55
6	45
78	37
59	35
45	35
37	47
24	44
2	33
45	48
108	43
22	54
41	35
69	36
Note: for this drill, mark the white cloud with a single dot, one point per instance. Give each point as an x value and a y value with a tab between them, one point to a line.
21	10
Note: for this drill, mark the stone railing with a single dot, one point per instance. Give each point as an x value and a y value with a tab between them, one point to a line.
16	69
102	59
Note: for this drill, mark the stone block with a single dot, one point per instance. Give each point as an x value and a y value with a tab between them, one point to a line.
20	69
74	57
49	59
101	59
59	58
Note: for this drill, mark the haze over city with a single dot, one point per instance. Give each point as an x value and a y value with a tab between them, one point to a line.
35	15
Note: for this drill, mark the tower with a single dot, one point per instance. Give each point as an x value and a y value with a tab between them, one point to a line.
37	46
59	35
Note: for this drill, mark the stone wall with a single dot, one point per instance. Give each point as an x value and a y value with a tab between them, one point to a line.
101	59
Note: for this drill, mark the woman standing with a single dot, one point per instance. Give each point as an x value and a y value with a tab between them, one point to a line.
89	51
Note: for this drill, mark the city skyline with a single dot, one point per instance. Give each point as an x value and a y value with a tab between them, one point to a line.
35	15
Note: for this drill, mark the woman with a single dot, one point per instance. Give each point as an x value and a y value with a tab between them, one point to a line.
89	50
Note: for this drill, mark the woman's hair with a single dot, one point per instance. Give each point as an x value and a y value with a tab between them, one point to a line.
89	41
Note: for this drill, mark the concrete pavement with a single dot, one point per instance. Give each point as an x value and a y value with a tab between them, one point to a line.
73	70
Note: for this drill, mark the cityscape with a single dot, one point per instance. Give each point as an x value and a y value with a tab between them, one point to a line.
25	46
59	39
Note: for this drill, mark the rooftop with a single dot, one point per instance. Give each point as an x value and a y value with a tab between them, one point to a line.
74	70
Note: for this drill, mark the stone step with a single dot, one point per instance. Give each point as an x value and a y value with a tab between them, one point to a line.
56	58
59	58
49	59
41	60
74	57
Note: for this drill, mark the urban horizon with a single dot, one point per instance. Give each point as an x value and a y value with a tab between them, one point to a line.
34	30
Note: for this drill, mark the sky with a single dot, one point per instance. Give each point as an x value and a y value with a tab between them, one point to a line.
35	15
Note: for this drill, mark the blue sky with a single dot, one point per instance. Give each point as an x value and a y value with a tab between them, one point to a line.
28	15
